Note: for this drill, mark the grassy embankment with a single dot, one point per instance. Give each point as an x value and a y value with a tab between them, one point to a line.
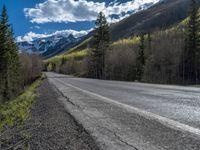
16	111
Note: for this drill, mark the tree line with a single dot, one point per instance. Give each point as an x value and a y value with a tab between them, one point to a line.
170	56
191	53
13	64
184	69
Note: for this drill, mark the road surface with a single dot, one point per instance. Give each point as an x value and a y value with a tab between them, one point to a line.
127	115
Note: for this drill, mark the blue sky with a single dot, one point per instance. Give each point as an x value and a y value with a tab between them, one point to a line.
33	19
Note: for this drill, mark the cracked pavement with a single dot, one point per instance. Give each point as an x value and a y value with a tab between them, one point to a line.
132	116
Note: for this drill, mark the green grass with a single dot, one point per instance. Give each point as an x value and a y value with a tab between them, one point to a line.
78	55
16	111
128	41
79	47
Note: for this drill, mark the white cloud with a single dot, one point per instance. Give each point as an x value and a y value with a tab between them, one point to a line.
78	10
81	10
32	36
35	27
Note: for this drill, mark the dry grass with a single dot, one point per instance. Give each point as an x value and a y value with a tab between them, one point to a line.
18	110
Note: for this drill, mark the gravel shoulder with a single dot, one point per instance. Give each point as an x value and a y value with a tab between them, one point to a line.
50	127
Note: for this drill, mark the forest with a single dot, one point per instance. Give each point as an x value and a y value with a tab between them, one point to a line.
169	56
17	69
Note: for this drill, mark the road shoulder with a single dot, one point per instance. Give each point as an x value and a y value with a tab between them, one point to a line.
50	127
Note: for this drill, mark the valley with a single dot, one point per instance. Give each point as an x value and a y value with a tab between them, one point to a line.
100	75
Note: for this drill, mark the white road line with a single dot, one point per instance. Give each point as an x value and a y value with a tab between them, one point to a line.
163	120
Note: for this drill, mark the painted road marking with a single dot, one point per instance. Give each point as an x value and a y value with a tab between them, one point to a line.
148	115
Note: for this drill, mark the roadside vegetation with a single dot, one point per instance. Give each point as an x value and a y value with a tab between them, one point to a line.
16	111
72	63
18	70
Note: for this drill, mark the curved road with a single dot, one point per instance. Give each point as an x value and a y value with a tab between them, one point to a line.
140	116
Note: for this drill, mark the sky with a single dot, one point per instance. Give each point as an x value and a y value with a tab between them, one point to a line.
32	19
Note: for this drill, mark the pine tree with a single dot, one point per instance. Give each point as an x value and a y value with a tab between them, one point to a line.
4	56
9	60
15	67
141	52
149	39
101	43
192	46
141	58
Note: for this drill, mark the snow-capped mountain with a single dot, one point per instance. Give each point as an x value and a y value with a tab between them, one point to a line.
50	46
59	43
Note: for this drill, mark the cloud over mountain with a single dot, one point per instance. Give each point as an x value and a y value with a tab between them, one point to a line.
32	36
82	10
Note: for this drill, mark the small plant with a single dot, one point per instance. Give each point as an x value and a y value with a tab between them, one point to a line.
16	111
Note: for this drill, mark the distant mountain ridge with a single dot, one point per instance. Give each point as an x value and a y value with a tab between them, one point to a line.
57	44
162	15
50	46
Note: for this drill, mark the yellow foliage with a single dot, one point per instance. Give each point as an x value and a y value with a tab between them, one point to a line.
128	41
65	57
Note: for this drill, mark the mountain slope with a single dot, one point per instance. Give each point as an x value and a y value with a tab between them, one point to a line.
55	45
160	16
164	14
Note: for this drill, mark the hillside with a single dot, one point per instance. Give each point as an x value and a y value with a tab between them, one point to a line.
161	16
163	54
164	14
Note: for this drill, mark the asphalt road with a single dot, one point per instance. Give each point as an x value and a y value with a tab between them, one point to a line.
126	115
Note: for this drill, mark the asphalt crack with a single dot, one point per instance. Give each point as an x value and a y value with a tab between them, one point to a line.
121	140
68	100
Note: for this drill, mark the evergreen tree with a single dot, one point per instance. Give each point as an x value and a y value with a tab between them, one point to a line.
149	39
192	46
4	56
141	58
15	67
9	60
141	52
101	43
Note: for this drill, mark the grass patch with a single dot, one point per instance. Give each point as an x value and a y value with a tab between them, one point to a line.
128	41
80	46
65	57
16	111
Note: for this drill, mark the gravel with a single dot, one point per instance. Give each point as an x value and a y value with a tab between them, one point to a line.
50	127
